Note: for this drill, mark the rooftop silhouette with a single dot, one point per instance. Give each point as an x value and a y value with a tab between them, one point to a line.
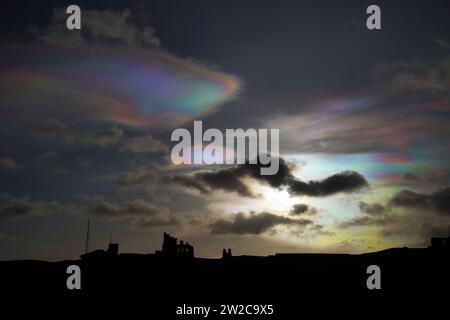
406	272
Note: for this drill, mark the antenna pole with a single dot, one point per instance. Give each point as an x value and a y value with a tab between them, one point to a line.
86	246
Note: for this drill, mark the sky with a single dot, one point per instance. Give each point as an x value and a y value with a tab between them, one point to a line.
86	117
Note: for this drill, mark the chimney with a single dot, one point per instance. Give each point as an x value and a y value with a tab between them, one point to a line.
113	249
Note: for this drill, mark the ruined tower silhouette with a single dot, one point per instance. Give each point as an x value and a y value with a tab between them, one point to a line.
171	248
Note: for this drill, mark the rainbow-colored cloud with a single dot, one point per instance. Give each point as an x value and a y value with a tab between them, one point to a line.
132	87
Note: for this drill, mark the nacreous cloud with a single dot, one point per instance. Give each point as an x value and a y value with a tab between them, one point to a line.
108	76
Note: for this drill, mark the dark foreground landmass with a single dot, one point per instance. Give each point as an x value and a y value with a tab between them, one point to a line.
405	273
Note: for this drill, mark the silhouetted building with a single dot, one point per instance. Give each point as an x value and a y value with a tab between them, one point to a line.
112	251
440	243
226	254
171	248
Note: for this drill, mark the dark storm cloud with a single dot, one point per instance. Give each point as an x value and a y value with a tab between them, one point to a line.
231	180
302	209
438	201
346	181
254	223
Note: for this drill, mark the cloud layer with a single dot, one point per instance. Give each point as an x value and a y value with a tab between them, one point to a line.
232	180
253	223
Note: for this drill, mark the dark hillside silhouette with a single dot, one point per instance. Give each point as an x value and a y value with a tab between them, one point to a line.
174	273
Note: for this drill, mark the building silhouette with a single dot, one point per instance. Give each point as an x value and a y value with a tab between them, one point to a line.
171	248
226	254
112	251
440	243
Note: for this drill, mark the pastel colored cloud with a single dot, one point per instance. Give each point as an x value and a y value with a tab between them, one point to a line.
138	86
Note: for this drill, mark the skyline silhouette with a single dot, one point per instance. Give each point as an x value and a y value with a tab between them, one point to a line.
405	273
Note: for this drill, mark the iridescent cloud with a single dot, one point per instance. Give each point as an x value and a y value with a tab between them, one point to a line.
367	134
132	87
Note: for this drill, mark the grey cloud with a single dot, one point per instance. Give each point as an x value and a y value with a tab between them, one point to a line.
147	223
346	181
100	138
105	26
231	180
50	125
302	209
132	208
48	155
143	213
11	207
144	144
438	201
254	223
374	214
428	213
417	75
141	175
318	230
104	137
367	221
372	209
